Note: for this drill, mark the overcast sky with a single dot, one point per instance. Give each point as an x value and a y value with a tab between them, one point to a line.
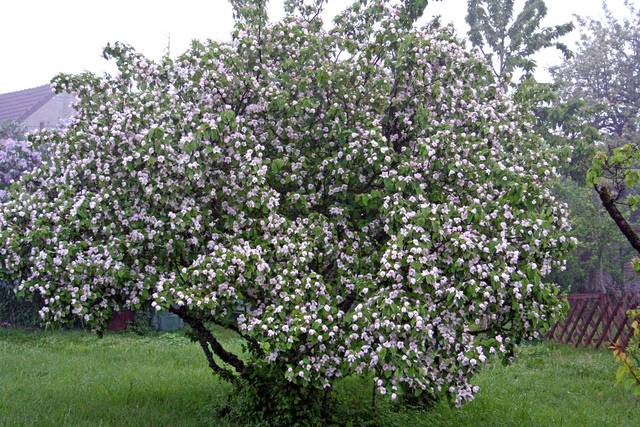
40	38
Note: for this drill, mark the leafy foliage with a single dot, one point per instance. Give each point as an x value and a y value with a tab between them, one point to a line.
267	398
629	371
564	124
616	177
597	262
509	42
366	197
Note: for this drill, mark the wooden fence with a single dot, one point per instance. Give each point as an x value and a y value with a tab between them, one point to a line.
596	320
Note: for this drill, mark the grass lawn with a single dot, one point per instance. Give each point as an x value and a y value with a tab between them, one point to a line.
77	379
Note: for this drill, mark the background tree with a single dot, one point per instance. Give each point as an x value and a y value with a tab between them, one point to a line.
509	42
367	195
602	77
597	264
605	73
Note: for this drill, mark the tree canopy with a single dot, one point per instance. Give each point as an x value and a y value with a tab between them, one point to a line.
604	72
360	200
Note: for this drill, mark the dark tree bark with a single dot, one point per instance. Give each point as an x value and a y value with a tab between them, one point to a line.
210	345
609	204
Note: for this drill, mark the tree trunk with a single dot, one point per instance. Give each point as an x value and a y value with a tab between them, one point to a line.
210	345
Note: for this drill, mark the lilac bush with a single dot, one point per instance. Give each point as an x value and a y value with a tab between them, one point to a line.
356	201
16	158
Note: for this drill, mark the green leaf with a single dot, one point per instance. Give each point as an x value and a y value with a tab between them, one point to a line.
191	146
277	165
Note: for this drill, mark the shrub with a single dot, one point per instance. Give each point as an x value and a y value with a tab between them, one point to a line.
16	158
141	324
367	195
12	130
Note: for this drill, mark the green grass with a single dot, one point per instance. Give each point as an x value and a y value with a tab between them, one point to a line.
76	379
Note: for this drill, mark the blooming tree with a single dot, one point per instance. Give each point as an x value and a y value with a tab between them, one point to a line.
349	201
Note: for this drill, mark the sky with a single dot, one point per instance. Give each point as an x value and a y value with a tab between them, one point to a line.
41	38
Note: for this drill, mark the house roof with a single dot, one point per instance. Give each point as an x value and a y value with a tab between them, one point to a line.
17	106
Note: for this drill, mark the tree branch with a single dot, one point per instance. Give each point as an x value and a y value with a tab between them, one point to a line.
206	335
609	204
224	373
